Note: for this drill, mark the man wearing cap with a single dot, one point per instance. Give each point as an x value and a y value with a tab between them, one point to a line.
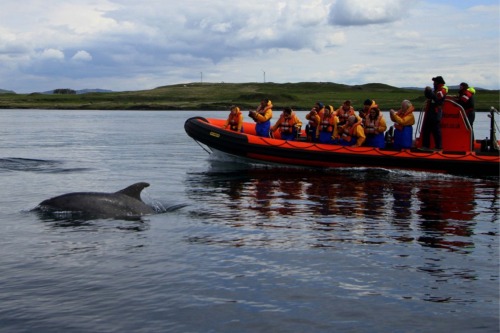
434	113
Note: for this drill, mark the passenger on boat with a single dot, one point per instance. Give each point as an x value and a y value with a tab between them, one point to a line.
403	125
375	127
288	124
433	113
262	117
352	133
320	108
466	99
327	130
313	118
368	104
344	112
235	120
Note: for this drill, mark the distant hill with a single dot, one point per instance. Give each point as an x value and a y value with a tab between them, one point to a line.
82	91
220	96
86	91
2	91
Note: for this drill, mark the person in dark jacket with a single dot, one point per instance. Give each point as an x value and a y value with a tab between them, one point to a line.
433	113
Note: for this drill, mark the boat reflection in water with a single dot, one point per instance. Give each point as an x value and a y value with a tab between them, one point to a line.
322	208
396	234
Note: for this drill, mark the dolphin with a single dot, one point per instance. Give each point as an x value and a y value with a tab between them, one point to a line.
125	203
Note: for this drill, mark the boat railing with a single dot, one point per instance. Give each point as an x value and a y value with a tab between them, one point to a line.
454	124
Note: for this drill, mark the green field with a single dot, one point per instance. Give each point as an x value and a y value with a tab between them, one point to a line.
219	96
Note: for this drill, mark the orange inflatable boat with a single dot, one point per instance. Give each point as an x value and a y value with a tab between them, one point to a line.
461	155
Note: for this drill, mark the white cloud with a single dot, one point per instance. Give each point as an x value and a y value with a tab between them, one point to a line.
82	56
364	12
51	54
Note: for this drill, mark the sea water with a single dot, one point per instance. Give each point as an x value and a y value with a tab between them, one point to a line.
236	247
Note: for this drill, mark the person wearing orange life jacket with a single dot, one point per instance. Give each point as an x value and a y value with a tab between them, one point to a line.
368	104
327	130
352	133
433	113
466	99
313	118
289	125
312	124
262	117
375	126
235	120
403	125
320	108
344	112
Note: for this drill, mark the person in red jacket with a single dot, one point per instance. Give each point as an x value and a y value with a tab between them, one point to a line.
433	113
466	99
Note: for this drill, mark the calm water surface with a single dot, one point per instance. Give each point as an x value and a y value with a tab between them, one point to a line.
255	249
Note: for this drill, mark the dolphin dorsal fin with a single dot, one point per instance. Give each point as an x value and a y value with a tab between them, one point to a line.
134	190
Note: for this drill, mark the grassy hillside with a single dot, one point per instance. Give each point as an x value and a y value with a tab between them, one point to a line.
219	96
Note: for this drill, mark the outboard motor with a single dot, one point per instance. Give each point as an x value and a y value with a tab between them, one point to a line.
491	145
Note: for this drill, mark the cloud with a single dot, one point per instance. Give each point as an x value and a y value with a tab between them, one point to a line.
125	44
50	54
82	56
365	12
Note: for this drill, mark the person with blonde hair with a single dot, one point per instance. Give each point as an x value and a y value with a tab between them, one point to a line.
262	117
234	120
403	125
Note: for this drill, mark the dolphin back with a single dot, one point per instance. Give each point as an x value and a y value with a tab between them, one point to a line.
124	203
134	190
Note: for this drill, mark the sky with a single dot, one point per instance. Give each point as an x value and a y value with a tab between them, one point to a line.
127	45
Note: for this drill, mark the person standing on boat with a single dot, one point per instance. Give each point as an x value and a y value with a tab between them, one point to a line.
262	117
466	99
352	133
375	127
327	130
288	124
235	120
434	113
403	125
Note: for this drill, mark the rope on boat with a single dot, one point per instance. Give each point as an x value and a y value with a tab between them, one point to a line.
203	147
